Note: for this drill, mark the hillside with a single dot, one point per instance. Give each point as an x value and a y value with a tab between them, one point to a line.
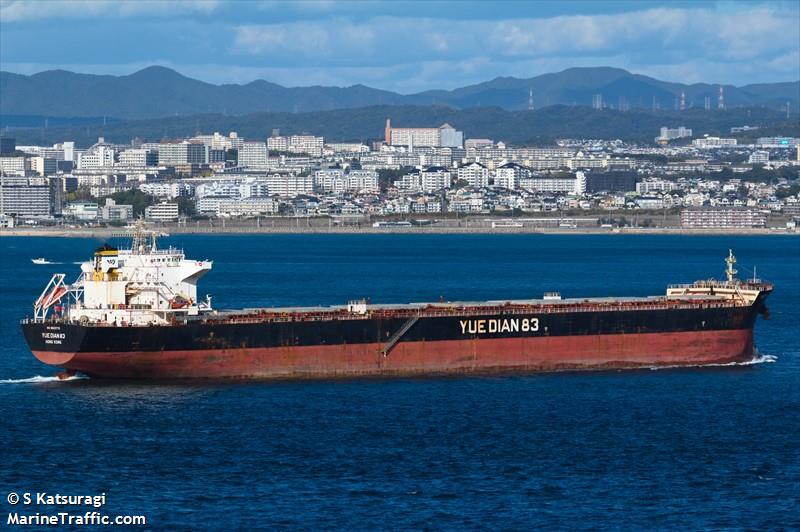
365	124
160	92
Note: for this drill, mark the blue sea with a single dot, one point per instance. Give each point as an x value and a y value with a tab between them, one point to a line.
691	448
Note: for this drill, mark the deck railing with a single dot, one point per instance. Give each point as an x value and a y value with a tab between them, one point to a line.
440	311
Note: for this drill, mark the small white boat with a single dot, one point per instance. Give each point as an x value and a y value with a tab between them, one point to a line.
40	260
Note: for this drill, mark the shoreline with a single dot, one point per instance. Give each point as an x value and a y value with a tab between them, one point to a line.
109	232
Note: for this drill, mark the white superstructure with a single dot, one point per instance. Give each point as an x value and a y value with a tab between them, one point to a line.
136	286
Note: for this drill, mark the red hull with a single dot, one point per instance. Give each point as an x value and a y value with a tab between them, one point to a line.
421	358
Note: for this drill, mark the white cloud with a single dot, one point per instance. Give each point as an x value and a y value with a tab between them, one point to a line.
754	43
730	36
310	39
22	10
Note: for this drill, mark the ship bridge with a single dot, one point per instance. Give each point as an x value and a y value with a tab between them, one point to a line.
143	284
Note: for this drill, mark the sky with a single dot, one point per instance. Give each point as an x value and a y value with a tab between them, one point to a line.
404	46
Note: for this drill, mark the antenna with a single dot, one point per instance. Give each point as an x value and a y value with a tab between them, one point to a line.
721	99
683	100
530	99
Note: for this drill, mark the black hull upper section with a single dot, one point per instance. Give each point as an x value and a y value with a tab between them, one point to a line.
210	335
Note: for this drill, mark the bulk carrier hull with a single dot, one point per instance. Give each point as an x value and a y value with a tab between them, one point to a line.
406	341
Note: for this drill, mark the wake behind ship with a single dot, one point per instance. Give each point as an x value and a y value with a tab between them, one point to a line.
134	314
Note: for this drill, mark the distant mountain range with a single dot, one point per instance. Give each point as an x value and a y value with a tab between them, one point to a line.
157	92
366	124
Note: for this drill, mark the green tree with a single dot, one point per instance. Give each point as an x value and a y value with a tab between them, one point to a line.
138	199
186	206
388	176
82	194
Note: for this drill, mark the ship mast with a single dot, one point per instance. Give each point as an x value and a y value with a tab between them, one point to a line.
729	271
140	239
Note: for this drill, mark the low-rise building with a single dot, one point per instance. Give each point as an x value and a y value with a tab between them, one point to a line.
567	184
722	218
713	142
162	212
759	157
83	211
290	185
113	212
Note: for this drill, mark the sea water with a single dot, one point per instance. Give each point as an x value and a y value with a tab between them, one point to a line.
689	448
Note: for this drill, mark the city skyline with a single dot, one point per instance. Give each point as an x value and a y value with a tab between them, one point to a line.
454	43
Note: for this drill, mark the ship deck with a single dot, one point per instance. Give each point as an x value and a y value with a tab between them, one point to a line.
470	308
451	309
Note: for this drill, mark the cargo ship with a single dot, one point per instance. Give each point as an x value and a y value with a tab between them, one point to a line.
135	314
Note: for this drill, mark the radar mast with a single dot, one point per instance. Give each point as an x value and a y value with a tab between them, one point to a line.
729	271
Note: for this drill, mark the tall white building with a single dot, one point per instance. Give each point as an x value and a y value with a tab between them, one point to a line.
14	165
253	155
180	153
290	185
278	143
22	196
362	180
69	151
420	137
580	184
474	173
297	144
509	175
99	157
137	158
329	180
306	144
668	134
435	178
218	141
